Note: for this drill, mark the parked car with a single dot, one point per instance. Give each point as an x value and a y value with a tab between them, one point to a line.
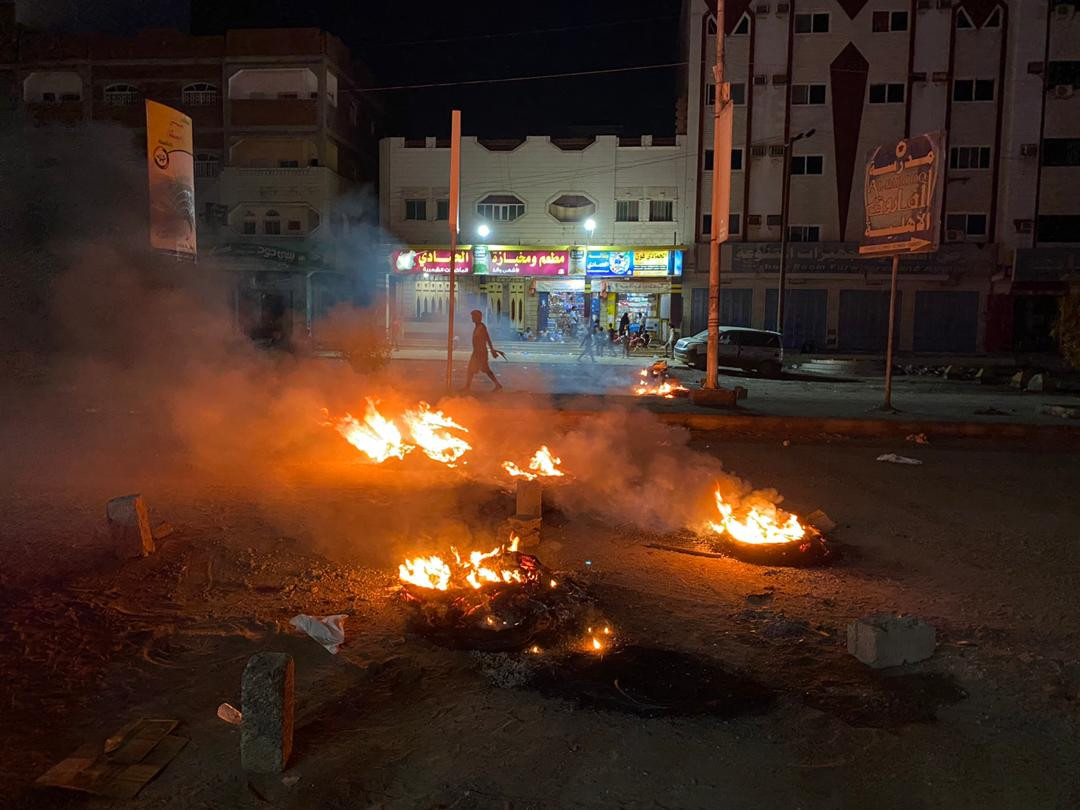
739	347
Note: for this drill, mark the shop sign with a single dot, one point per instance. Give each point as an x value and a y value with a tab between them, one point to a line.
560	285
645	287
903	190
430	261
577	261
843	258
529	263
1046	264
274	254
652	262
609	263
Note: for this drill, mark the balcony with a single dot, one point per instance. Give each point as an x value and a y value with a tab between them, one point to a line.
285	112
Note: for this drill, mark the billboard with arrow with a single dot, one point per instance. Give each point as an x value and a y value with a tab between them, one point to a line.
902	194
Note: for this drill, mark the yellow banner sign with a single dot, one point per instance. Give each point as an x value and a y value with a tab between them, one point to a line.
171	171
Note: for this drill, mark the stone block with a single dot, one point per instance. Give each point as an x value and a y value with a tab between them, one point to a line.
1040	383
129	526
713	397
526	528
529	498
1021	378
882	640
988	375
266	695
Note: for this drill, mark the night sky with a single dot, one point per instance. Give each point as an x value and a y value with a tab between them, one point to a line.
420	42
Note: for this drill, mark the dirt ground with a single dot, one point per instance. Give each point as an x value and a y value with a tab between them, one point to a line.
981	541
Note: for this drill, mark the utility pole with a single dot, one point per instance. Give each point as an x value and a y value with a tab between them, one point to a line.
785	196
455	183
721	196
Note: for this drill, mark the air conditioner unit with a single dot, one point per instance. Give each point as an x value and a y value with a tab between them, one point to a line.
783	8
1024	225
1063	91
753	219
954	236
917	77
779	78
1035	67
774	220
940	76
776	150
758	150
1029	149
760	79
1064	9
761	8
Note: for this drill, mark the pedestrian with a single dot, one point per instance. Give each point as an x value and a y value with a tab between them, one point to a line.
587	346
624	323
481	342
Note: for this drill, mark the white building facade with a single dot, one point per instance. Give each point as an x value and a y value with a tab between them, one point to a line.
540	270
997	77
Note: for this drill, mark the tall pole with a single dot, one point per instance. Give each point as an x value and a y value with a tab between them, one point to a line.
721	197
784	195
455	177
887	404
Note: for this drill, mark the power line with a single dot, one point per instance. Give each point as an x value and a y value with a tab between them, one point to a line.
570	74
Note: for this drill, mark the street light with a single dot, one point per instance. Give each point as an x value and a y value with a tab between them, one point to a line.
483	231
782	282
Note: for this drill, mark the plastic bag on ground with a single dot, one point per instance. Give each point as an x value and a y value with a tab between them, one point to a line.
327	630
895	459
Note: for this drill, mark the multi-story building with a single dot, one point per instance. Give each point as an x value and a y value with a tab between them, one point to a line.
999	78
553	228
283	143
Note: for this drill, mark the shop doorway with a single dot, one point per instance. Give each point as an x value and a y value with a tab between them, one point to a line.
1033	319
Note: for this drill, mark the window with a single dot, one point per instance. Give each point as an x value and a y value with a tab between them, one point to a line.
248	226
500	208
416	210
706	223
198	94
885	21
48	98
963	21
288	164
295	225
122	94
661	211
272	223
736	160
738	93
708	162
1058	228
442	210
710	26
207	164
807	94
804	233
571	207
973	90
710	94
734	225
969	157
626	211
964	226
70	97
757	339
1065	72
994	20
742	27
817	23
808	164
1061	152
354	112
892	93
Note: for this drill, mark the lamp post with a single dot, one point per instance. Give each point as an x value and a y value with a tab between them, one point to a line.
782	281
590	226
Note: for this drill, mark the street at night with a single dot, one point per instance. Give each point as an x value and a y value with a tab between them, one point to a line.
618	405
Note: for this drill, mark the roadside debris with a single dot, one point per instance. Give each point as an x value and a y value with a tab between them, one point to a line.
918	438
882	640
821	521
327	630
129	526
1040	383
892	458
266	732
122	765
991	412
1064	411
163	530
230	714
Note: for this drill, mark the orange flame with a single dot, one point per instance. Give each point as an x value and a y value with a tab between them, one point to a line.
543	463
665	389
377	437
757	524
473	570
380	438
430	430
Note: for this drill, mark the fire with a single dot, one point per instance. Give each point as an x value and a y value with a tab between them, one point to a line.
430	430
598	640
665	389
757	524
543	463
380	438
474	570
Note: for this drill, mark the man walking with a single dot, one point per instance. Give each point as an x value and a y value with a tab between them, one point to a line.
587	345
481	342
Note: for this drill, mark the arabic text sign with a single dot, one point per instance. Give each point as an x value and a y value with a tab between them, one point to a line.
652	262
609	263
902	194
430	261
529	263
171	170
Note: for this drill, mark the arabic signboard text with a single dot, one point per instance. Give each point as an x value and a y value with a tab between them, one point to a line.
171	169
431	261
902	192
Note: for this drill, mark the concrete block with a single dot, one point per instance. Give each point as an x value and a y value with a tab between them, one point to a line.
1040	383
821	521
266	694
526	528
529	498
129	526
882	640
1064	411
713	397
1021	378
988	375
